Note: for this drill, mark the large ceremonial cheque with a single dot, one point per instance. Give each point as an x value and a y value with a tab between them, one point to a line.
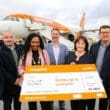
62	82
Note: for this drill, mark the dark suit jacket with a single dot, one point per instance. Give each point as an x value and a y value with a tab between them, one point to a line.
8	71
105	70
1	84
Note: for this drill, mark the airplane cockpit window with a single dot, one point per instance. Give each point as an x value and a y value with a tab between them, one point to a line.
17	19
4	19
11	19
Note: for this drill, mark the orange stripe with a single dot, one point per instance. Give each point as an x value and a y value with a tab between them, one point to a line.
61	68
50	23
50	97
82	22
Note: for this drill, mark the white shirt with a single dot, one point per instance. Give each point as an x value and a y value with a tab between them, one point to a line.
56	50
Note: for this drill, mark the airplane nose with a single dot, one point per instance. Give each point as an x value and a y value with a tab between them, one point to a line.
6	26
17	28
3	27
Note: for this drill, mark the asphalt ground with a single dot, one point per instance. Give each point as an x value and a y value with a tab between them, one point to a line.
56	106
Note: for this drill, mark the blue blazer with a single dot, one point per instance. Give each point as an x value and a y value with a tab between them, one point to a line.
62	54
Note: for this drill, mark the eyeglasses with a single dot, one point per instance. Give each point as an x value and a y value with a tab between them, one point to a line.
104	32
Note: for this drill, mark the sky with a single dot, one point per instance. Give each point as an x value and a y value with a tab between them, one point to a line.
66	12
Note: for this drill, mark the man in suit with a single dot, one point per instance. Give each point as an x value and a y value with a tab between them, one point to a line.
100	52
8	68
1	75
1	84
1	42
57	54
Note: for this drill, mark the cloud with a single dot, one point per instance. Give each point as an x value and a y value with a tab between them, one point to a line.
101	10
67	12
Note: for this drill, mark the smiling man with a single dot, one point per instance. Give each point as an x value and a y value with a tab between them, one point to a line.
57	54
8	64
100	52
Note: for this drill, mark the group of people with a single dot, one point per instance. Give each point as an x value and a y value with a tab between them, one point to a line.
34	52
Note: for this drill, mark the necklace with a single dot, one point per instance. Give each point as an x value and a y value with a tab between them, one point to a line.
37	61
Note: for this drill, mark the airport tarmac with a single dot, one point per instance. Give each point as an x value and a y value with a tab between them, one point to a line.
67	106
25	106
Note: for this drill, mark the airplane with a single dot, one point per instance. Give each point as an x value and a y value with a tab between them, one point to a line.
22	24
91	34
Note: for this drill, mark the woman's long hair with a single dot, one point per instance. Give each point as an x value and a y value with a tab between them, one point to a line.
27	45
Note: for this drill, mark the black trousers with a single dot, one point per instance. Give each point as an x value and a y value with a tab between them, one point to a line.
61	105
109	104
32	105
7	101
83	104
90	104
44	105
103	104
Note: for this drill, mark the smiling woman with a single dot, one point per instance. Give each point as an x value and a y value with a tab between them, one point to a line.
34	54
80	56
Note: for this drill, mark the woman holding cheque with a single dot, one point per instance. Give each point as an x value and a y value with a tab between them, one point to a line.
34	54
80	56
